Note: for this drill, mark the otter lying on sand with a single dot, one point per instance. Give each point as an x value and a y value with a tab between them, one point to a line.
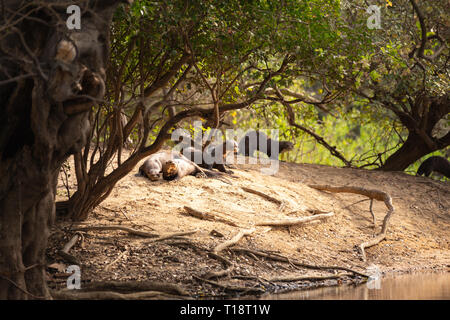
435	163
152	167
248	149
173	165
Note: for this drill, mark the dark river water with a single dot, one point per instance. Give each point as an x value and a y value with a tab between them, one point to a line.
429	286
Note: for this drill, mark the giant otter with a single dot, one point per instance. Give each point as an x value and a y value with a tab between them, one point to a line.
435	163
173	165
224	149
178	168
152	167
248	149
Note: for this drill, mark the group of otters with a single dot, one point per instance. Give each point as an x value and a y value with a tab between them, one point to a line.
175	165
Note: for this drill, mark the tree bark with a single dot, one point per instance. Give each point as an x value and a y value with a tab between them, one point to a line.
412	150
45	118
424	115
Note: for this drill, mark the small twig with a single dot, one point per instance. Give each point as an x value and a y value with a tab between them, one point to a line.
125	215
352	204
115	260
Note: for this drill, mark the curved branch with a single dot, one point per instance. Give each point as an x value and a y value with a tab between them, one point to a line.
319	139
372	194
425	38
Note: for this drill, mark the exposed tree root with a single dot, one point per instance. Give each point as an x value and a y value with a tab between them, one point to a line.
121	228
306	278
218	274
372	194
232	287
135	286
233	240
110	295
222	259
266	196
173	235
296	221
280	258
208	216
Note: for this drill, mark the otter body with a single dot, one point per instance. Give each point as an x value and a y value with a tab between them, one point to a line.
152	167
173	166
225	148
435	163
265	145
178	168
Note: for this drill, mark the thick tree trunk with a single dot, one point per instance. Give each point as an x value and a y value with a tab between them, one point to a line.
48	79
420	122
412	150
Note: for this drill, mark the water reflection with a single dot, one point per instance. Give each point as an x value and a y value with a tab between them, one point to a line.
435	286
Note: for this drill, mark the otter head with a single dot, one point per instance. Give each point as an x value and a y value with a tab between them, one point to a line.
152	174
170	170
286	146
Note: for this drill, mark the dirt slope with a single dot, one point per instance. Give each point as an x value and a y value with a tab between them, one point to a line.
418	236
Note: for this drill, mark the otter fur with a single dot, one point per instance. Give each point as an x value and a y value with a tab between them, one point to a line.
172	165
435	163
178	168
225	148
152	167
248	149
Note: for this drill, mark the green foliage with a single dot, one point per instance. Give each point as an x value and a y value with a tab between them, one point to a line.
237	43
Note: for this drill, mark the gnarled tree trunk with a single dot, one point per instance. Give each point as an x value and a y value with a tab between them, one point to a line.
49	79
420	121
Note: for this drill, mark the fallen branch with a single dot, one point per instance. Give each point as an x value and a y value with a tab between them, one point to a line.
296	221
265	196
121	228
280	258
233	240
372	194
207	216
